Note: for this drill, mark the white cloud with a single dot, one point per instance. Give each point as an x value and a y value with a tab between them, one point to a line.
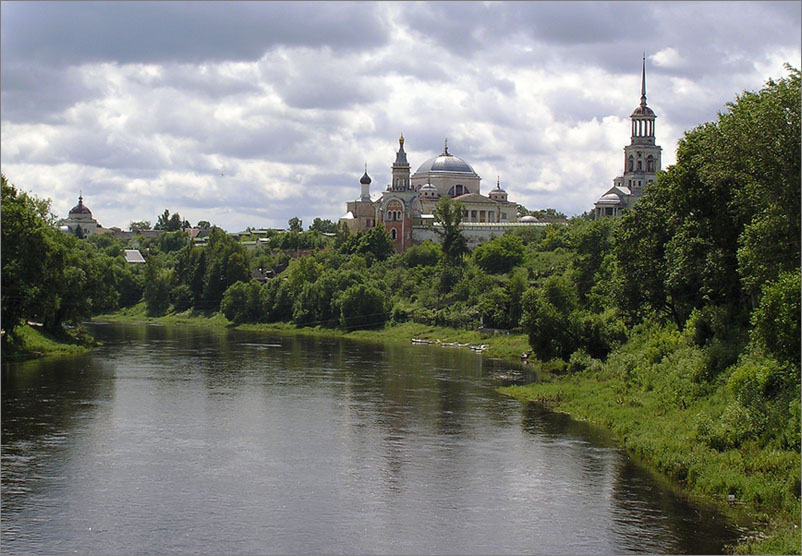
668	58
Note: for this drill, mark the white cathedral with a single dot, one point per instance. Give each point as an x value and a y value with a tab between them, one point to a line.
405	207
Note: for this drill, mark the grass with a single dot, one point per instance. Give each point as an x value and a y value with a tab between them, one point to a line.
34	341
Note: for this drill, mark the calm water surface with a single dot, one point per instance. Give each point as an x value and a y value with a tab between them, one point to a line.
182	440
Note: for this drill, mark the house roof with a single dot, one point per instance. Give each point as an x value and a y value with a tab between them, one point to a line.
133	256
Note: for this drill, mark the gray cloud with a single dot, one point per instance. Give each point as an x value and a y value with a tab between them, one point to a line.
56	33
32	92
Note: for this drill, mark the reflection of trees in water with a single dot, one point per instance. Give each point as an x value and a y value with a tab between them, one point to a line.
43	403
676	522
638	498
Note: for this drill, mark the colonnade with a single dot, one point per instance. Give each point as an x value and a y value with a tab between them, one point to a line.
642	128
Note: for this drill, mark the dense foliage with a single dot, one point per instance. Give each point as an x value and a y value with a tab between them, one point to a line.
50	277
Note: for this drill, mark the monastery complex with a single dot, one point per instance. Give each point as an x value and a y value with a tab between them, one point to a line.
405	207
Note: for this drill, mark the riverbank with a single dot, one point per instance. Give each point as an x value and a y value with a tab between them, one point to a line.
645	398
31	342
497	345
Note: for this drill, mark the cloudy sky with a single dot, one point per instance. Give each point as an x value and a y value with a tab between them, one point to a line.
247	114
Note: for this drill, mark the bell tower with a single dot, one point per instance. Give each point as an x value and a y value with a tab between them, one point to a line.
642	157
401	169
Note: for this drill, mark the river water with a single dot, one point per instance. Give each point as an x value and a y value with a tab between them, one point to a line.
172	439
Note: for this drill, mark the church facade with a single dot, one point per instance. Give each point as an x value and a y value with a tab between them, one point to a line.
79	220
642	159
406	207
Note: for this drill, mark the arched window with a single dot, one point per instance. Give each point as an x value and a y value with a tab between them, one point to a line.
650	164
640	165
631	163
458	190
393	234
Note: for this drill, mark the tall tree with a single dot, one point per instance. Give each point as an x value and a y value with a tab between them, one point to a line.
170	223
295	224
64	282
26	229
448	214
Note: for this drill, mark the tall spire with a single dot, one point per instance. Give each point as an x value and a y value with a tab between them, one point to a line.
445	148
401	156
643	82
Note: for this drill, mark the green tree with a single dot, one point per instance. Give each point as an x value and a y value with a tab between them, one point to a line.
549	318
242	302
226	263
170	223
181	297
363	306
139	226
295	224
130	280
735	183
172	241
375	241
500	254
323	226
558	325
775	323
425	254
86	284
157	288
448	214
26	280
591	242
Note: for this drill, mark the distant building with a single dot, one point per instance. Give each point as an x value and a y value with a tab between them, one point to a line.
79	221
642	160
406	207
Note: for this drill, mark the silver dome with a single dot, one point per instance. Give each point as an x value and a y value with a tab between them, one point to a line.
445	163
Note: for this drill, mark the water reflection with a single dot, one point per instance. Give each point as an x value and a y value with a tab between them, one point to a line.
172	439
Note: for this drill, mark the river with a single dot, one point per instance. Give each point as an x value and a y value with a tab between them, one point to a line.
171	439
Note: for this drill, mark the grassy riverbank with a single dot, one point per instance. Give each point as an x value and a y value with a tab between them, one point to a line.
34	341
502	346
647	396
